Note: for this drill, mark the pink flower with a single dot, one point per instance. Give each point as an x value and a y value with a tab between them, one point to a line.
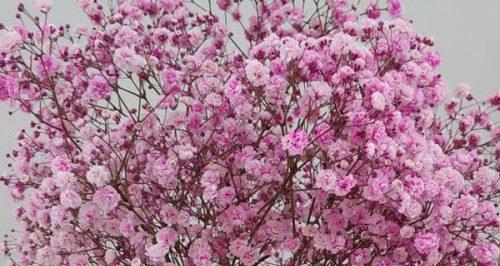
291	245
226	195
426	242
450	178
336	243
486	252
169	5
106	198
462	90
250	258
172	80
257	73
125	36
159	134
9	40
43	5
156	252
465	206
407	231
99	87
484	177
60	163
135	262
9	87
70	199
238	247
78	259
224	4
200	253
378	101
344	185
126	59
295	142
326	180
376	188
320	90
395	8
214	99
166	236
186	152
47	256
98	175
323	135
487	211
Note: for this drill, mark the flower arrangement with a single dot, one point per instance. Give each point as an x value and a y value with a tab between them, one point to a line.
320	136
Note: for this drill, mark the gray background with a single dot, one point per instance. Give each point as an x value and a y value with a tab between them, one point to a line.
467	34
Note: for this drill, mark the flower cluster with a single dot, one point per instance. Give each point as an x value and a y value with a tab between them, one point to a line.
322	138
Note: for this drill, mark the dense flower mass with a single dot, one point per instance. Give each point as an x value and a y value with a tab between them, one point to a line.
246	132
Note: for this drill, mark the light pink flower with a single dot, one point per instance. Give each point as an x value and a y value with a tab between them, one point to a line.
99	87
70	199
378	101
426	242
166	236
486	253
106	198
127	60
295	142
98	175
465	207
43	5
343	185
125	36
257	73
156	252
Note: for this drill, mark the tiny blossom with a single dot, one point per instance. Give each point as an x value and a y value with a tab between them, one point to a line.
326	180
126	59
156	252
407	231
70	199
99	87
463	90
486	253
78	259
43	5
426	242
125	36
320	90
378	101
344	185
257	73
214	100
295	142
224	4
465	206
9	40
484	177
106	198
47	256
395	8
200	253
185	151
98	175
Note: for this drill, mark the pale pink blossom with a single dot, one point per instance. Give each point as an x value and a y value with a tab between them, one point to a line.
43	5
257	73
295	142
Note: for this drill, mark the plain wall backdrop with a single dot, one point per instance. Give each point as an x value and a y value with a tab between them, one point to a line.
467	35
